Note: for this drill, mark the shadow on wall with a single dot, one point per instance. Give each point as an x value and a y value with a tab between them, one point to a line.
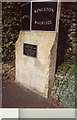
62	38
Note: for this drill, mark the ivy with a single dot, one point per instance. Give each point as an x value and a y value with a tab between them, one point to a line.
65	85
10	28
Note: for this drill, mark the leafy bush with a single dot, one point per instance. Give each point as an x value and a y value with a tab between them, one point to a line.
65	85
10	28
13	15
64	88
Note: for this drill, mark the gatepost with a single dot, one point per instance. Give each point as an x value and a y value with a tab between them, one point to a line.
36	47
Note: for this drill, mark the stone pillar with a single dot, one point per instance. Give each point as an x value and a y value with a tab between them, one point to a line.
36	73
36	48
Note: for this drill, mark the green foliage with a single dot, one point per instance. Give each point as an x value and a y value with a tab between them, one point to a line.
65	86
10	28
63	69
57	82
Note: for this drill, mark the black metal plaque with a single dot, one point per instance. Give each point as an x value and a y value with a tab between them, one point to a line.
30	50
44	15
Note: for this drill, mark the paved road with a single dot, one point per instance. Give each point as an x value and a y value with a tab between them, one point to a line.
15	96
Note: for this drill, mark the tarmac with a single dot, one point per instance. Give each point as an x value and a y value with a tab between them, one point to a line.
14	95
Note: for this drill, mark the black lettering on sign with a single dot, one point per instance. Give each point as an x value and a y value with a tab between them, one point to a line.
44	15
30	50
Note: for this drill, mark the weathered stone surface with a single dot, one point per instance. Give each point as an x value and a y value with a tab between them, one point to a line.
36	73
